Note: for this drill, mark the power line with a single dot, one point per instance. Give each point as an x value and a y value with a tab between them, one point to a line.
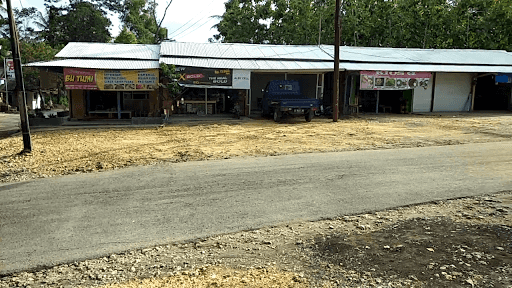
207	20
199	15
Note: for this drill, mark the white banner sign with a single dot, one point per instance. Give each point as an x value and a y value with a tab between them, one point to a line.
241	79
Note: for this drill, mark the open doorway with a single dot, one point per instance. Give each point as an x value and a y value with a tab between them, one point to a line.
491	96
395	101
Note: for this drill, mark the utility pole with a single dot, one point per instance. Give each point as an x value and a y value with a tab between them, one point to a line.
336	92
20	89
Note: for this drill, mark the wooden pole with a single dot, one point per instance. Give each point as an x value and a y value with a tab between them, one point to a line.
20	89
336	92
473	90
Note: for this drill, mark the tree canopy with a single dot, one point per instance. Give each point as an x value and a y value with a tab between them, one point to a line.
80	21
140	20
478	24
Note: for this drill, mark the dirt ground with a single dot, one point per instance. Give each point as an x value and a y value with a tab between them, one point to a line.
62	152
454	243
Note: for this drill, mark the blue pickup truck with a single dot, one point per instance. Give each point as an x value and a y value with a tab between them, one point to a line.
284	98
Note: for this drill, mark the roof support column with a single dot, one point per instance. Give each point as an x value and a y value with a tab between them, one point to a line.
433	91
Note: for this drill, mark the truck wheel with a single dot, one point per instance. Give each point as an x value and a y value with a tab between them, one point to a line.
309	116
277	115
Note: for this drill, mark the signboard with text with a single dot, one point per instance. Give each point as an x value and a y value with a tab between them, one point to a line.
200	76
391	80
241	79
111	80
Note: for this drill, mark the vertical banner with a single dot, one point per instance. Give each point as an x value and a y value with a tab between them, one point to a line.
9	71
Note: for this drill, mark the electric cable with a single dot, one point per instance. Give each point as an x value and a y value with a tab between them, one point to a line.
207	20
200	14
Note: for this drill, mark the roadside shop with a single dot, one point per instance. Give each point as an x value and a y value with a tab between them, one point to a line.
208	91
112	94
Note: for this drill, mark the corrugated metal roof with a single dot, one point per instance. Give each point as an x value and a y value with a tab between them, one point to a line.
250	64
431	56
110	50
264	57
242	51
99	64
426	67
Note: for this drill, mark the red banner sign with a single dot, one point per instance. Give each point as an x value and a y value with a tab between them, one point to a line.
84	79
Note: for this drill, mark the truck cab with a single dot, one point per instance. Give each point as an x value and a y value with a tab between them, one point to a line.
284	98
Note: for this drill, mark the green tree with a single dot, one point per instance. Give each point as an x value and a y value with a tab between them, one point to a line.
126	37
171	77
78	22
243	22
35	52
482	24
139	18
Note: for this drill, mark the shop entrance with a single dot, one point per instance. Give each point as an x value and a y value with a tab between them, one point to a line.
208	101
117	104
378	101
395	101
489	96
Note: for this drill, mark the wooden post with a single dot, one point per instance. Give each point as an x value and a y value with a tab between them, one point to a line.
473	90
377	106
336	92
118	105
20	89
433	92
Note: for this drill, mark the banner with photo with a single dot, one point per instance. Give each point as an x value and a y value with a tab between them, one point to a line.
390	80
111	80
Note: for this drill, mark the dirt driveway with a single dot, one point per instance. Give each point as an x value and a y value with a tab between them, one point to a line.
454	243
63	152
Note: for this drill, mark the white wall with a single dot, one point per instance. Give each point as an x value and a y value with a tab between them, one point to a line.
422	97
452	91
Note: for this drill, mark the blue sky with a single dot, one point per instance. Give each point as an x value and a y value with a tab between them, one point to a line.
186	20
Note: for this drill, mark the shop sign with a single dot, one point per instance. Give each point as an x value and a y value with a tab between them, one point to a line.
503	78
200	76
391	80
111	80
75	78
9	65
241	79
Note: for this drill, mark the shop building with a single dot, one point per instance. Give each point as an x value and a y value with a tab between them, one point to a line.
216	77
432	80
221	70
109	81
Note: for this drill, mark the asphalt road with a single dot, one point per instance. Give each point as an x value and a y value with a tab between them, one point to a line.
9	123
71	218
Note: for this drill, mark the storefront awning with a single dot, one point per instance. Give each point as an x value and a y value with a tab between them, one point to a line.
426	67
